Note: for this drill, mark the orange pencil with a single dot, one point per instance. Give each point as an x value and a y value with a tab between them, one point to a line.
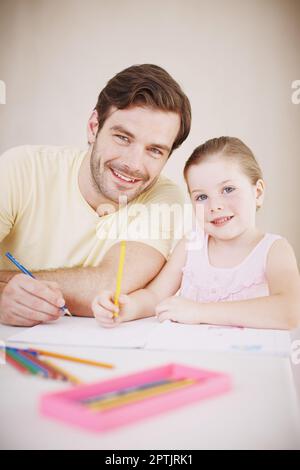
41	352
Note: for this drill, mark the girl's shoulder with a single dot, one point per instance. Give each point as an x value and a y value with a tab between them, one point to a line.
260	253
188	248
280	251
282	271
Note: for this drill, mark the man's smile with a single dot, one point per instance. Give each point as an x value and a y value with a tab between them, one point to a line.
124	178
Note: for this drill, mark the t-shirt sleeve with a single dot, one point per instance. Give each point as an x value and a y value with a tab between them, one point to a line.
9	190
157	219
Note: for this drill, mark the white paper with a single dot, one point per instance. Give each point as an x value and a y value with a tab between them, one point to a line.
77	331
177	336
148	333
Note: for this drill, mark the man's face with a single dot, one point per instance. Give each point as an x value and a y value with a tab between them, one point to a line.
131	149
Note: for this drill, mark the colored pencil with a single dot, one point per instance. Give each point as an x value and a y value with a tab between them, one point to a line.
26	363
49	371
119	276
139	395
17	365
41	352
64	375
25	271
35	362
124	391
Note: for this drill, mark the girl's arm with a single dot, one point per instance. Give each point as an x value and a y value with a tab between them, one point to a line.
279	310
142	303
165	284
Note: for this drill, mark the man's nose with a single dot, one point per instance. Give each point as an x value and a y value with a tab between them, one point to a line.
134	159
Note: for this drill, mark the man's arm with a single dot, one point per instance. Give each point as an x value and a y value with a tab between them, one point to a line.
81	285
27	302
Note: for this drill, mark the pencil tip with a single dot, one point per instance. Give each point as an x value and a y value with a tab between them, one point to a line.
67	312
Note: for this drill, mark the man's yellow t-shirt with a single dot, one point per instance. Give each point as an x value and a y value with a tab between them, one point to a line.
46	223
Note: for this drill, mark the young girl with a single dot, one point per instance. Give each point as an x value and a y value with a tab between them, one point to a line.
241	276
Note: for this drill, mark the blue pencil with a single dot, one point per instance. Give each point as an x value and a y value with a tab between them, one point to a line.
25	271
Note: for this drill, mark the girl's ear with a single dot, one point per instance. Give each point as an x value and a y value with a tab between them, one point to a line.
92	127
259	193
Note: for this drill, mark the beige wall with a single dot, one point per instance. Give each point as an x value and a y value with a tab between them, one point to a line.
236	59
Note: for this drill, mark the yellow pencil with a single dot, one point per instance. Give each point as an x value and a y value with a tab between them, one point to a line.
119	275
139	395
41	352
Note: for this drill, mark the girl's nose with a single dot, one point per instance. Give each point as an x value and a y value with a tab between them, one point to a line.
216	206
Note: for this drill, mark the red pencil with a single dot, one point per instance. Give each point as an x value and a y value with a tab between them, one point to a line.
16	364
50	371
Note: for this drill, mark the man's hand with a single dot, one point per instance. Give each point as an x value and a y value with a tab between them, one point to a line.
103	309
26	301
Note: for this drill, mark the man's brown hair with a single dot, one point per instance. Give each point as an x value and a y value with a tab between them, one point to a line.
146	85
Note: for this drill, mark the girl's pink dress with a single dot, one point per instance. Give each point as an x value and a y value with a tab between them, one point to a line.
202	282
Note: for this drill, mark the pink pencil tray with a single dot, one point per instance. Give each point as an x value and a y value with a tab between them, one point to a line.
67	405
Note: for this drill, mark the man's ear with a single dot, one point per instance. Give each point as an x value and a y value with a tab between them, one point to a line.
92	127
260	192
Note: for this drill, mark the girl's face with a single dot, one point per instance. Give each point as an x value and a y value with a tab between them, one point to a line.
228	197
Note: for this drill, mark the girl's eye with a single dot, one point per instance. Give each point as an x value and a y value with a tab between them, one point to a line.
201	197
228	189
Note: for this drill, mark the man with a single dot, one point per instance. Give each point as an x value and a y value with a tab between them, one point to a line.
58	205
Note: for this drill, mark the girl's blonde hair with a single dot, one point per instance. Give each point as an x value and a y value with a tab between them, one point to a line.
228	147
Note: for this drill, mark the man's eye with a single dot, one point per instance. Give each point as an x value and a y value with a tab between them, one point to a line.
228	189
201	197
122	138
155	151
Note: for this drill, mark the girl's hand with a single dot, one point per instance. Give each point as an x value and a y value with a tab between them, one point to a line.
103	308
178	309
